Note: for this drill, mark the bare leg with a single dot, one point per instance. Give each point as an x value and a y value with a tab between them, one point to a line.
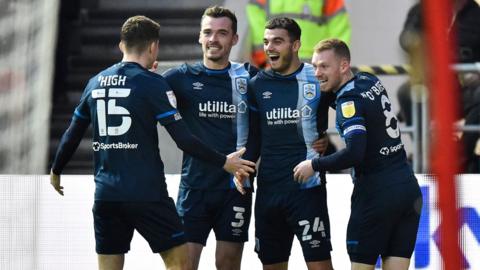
228	255
194	250
362	266
111	262
320	265
395	263
277	266
175	258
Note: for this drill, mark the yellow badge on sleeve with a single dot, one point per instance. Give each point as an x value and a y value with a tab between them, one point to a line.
348	109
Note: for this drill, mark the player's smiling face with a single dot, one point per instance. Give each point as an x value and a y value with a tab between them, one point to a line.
217	39
279	49
328	70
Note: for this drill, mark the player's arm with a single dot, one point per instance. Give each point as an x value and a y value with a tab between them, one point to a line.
321	144
68	144
165	102
190	144
252	153
348	157
355	135
254	129
253	141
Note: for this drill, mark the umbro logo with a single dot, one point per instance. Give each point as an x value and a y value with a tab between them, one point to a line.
197	85
267	94
314	243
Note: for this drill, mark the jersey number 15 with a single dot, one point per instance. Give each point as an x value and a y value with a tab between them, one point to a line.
113	109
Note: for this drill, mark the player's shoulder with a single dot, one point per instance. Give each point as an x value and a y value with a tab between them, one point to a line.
151	76
180	70
308	67
257	77
365	80
244	68
150	80
265	74
360	83
252	70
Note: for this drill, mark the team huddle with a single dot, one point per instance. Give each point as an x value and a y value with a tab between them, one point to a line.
226	117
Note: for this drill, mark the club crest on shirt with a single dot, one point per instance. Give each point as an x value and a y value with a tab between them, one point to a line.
348	109
172	99
241	84
309	91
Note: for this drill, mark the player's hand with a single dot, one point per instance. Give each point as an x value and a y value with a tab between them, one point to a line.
235	163
239	180
55	182
303	171
321	144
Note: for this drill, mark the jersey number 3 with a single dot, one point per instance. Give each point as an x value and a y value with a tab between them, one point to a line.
113	109
390	118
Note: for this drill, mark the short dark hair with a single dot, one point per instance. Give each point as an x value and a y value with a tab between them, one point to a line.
138	32
339	47
218	12
292	27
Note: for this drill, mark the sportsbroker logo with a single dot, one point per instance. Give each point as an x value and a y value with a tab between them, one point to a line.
107	146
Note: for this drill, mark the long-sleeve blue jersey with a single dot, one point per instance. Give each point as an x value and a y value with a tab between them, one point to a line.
367	123
290	116
214	105
124	103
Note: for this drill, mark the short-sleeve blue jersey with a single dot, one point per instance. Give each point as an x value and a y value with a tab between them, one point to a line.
363	106
213	103
124	104
288	110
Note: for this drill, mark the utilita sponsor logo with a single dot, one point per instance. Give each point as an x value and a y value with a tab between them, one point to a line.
221	107
288	113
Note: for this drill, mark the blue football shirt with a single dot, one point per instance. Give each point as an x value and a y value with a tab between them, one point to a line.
363	106
124	104
288	109
214	105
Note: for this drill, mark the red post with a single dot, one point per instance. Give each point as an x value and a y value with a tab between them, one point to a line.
444	94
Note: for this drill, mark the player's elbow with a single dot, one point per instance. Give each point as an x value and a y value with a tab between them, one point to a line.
356	148
184	143
356	157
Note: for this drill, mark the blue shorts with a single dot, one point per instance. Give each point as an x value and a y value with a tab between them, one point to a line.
157	222
227	212
383	221
280	215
